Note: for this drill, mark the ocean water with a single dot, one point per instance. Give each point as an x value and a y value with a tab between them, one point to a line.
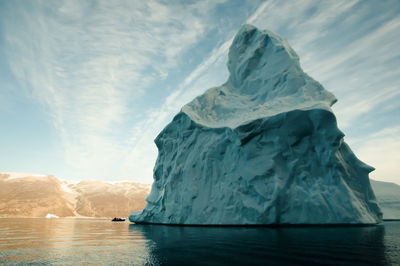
75	241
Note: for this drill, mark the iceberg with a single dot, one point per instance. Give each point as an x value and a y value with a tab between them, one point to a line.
51	216
261	149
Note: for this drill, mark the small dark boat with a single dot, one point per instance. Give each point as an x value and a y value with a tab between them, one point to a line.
116	219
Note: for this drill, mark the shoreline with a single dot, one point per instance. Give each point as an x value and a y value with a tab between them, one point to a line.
66	217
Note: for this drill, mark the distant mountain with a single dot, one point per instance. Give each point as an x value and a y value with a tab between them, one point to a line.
32	196
388	195
26	195
101	199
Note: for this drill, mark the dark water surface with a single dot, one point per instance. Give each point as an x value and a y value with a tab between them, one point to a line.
74	241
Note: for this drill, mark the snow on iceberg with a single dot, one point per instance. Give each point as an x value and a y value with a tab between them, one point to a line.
263	148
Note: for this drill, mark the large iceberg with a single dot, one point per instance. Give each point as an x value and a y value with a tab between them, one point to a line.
261	149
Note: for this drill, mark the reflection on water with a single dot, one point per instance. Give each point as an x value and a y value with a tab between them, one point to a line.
227	246
68	241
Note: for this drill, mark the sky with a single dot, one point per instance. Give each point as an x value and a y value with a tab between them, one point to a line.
86	86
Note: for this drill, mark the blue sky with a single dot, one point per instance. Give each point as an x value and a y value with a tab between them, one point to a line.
86	86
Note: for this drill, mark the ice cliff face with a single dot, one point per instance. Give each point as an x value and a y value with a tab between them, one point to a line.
263	148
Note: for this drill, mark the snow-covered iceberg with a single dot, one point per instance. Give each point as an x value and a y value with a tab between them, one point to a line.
263	148
51	216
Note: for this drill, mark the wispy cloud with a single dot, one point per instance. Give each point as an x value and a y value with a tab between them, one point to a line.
113	74
346	45
89	64
144	152
381	150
